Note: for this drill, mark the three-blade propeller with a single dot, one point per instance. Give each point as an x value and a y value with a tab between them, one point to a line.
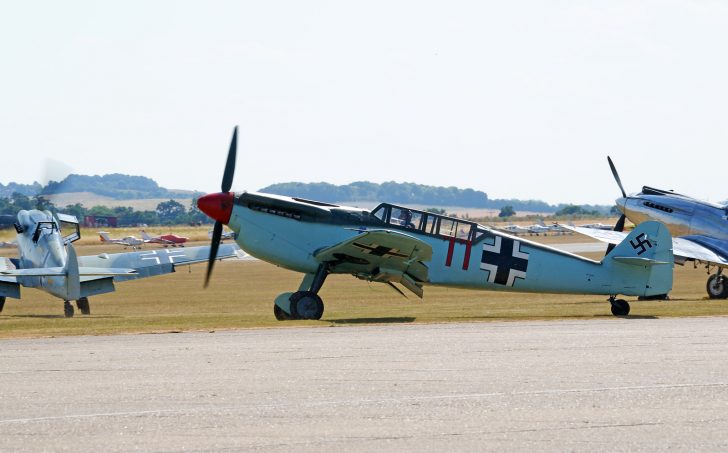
227	182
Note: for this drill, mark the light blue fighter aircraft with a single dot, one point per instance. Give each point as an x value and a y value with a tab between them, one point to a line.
699	228
394	244
49	262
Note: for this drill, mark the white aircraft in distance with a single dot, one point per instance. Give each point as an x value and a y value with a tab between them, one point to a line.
48	262
8	244
598	226
225	235
557	228
128	241
513	229
538	228
165	239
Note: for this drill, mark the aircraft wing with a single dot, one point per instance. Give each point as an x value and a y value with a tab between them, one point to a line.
381	255
60	272
698	248
156	262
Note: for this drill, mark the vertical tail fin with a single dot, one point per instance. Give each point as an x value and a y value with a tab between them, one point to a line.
104	236
145	236
643	261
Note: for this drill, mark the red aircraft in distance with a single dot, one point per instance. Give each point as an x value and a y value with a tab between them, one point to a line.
165	239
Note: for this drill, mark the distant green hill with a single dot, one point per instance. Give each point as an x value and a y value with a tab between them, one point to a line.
117	186
26	189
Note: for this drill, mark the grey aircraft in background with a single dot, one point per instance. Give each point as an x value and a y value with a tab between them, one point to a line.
48	261
699	228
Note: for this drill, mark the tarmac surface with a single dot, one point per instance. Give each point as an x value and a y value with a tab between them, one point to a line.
608	384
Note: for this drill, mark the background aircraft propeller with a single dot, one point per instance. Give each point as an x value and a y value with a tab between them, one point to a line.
227	182
619	226
616	176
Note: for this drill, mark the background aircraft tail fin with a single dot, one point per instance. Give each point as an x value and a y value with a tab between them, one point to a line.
104	236
643	260
145	236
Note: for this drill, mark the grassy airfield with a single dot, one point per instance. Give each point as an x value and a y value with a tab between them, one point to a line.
241	295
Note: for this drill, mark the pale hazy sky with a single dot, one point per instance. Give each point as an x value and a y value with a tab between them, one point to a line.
519	99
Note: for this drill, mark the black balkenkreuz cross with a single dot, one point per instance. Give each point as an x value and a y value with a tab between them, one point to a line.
379	250
504	261
641	241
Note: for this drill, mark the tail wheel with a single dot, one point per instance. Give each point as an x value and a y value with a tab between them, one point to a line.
306	305
717	286
620	307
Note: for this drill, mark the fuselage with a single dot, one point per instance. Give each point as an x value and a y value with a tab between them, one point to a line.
40	245
682	215
288	232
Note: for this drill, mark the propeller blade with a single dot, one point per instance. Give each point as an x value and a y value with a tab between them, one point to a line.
619	226
616	176
214	245
227	176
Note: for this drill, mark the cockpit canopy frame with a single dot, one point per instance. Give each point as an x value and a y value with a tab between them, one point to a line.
428	223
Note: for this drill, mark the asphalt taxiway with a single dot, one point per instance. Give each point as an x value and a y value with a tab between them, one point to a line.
611	384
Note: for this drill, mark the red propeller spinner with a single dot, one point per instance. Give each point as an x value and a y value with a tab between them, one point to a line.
218	206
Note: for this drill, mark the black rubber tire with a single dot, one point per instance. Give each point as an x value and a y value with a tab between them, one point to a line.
280	314
2	303
67	309
84	306
306	305
620	307
717	289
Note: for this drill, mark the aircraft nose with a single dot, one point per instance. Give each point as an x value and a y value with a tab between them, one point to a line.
218	206
621	203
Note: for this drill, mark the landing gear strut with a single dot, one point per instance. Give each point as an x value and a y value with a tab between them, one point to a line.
717	285
67	309
304	303
620	307
2	303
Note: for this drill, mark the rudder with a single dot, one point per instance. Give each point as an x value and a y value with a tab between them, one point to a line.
644	259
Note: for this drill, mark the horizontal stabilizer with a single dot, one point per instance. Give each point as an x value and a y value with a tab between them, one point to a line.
638	261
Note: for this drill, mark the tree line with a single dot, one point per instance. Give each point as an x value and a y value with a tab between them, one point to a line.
411	193
166	213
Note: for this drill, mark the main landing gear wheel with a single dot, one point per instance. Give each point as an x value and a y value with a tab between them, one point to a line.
280	314
67	309
620	307
83	305
306	305
2	303
717	286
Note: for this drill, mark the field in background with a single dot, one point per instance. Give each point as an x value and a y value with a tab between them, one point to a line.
241	295
89	200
